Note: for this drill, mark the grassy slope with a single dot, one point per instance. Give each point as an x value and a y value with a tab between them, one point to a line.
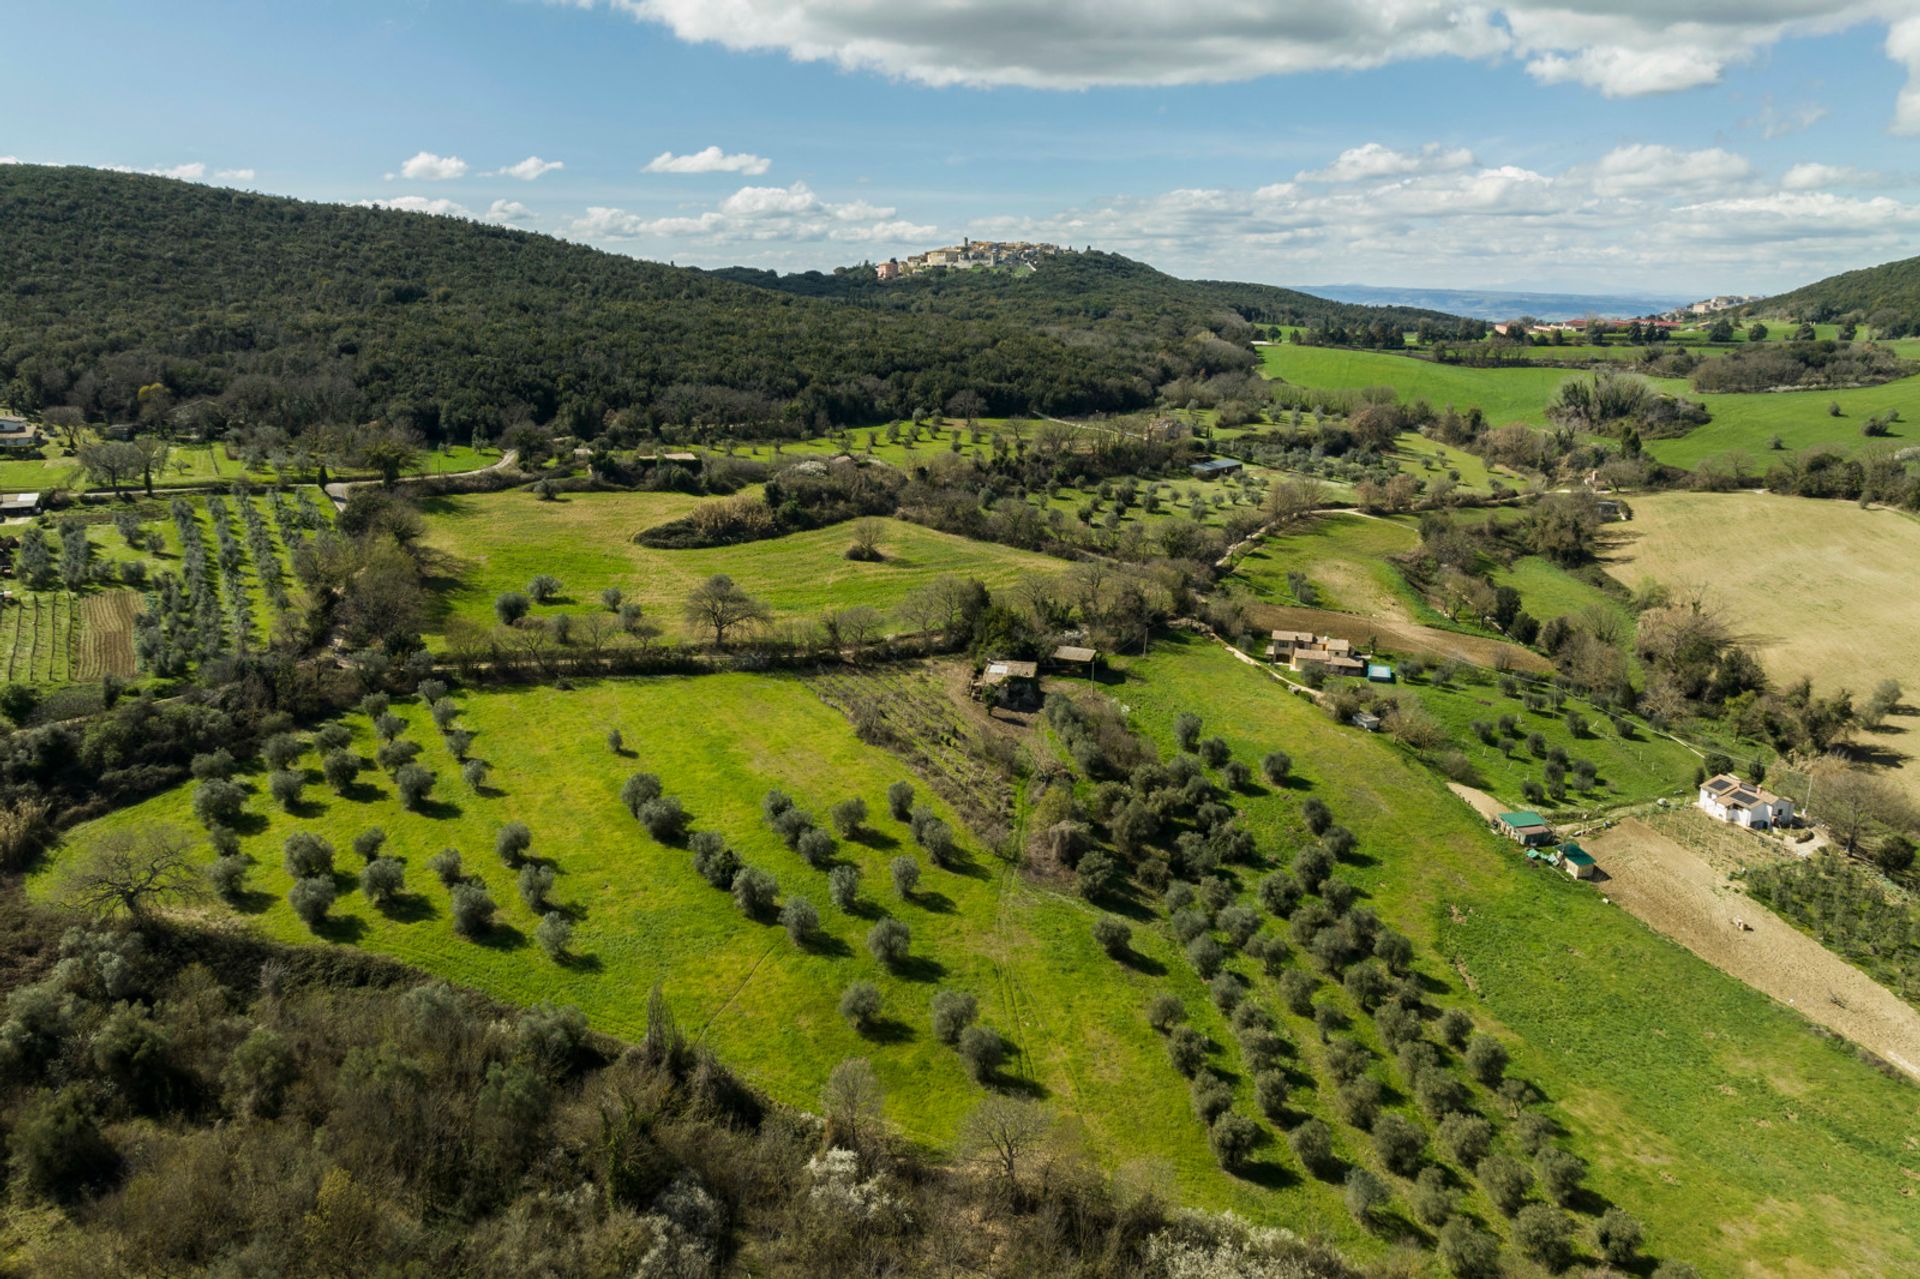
1745	1142
1342	555
497	542
1745	422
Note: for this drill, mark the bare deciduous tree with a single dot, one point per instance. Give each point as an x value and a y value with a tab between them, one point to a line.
130	871
720	606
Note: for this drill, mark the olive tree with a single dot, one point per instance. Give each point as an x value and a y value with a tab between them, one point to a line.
311	898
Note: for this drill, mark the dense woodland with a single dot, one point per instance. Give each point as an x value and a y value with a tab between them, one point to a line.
294	314
1887	297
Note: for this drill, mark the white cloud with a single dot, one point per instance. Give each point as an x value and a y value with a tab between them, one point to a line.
9	159
1651	168
1813	177
710	160
192	171
1376	161
1619	47
235	175
530	168
509	211
759	220
425	166
421	204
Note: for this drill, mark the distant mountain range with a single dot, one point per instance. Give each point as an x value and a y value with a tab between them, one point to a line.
1491	304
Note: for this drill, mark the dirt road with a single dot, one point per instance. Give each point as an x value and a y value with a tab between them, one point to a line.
1397	636
1674	891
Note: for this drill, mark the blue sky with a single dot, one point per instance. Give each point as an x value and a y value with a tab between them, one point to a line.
1679	146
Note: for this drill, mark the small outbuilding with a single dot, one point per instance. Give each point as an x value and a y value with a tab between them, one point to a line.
13	505
18	433
1526	827
1016	683
1215	467
1074	659
1576	861
1367	720
1380	672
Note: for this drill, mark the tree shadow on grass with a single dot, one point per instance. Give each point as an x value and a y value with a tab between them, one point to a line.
820	943
344	929
581	963
305	809
1146	965
439	810
1018	1085
877	840
937	903
410	908
1269	1174
887	1030
919	968
249	823
359	792
251	901
501	937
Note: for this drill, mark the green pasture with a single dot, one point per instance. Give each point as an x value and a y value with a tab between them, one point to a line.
485	544
1747	1142
189	465
1344	558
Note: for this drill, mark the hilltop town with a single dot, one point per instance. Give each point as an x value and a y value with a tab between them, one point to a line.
967	255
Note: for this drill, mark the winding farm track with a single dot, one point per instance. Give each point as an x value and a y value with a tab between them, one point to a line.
338	490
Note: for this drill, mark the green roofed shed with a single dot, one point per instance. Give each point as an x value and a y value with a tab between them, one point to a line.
1577	861
1525	826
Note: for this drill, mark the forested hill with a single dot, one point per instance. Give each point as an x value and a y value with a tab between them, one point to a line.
1081	287
251	308
1885	297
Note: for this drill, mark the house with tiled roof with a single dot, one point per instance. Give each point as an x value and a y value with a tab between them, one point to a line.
1726	798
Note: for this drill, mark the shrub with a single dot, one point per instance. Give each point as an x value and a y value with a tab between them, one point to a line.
1399	1143
544	587
1618	1237
510	606
1540	1232
1560	1174
1468	1251
1112	935
843	887
849	815
1165	1011
1211	1097
1360	1102
860	1004
1467	1138
1486	1059
1506	1182
900	801
1312	1145
1270	1092
953	1011
212	765
1206	955
340	768
799	918
383	879
664	819
610	597
218	802
228	875
311	898
446	865
816	847
285	787
906	875
982	1048
307	855
1226	990
888	941
638	791
1233	1138
1186	730
282	749
535	882
937	838
1215	752
1364	1193
1095	875
713	860
554	933
774	804
753	891
1432	1197
368	843
1239	923
1276	767
1187	1050
472	909
414	784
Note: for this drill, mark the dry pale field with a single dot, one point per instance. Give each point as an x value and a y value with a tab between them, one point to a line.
1817	588
1683	893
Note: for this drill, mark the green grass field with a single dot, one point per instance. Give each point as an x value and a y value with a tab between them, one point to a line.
487	544
1504	395
1344	559
196	464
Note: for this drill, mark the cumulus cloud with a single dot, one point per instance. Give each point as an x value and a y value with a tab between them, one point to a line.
759	218
1651	168
192	171
9	159
530	168
425	166
510	212
1618	47
235	175
1376	161
710	160
1815	177
421	204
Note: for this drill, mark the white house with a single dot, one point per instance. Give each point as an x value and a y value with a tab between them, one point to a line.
1729	799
